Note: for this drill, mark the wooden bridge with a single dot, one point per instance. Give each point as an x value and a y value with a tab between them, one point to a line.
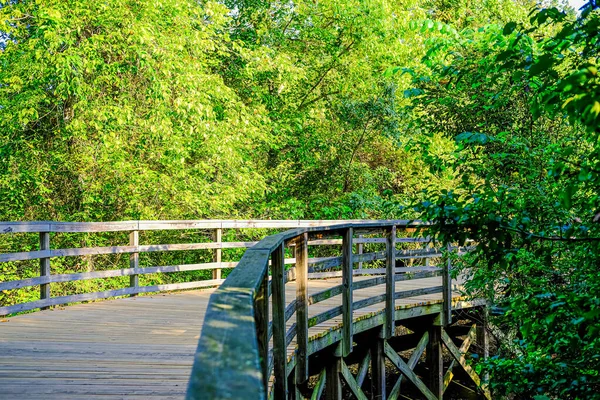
351	299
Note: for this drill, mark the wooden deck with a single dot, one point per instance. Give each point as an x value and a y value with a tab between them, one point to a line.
133	348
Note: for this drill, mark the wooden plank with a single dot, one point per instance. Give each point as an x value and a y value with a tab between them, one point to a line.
24	227
410	375
261	305
390	264
290	309
73	227
109	274
435	360
320	385
460	358
179	225
412	362
347	312
25	255
55	301
44	265
325	294
370	271
360	304
363	369
360	248
324	316
447	290
333	388
417	292
217	253
378	376
134	258
464	347
279	332
301	251
227	359
354	387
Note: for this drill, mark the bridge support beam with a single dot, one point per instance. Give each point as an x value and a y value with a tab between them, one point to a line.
378	369
435	360
333	382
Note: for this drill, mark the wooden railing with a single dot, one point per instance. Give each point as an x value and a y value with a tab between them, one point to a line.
242	351
321	267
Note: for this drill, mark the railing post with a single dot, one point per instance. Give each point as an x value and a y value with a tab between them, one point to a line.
302	308
134	260
45	266
360	251
217	253
347	264
279	331
447	291
390	282
262	327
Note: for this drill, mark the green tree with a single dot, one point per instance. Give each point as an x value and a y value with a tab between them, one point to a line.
111	110
519	101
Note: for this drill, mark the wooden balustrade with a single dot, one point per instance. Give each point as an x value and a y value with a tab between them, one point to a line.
317	267
250	326
236	357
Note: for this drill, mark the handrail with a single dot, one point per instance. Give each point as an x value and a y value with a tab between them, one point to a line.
233	359
46	253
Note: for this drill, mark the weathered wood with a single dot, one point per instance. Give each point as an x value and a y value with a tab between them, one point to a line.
447	290
435	361
290	335
227	363
302	308
410	375
162	324
318	390
73	227
290	309
369	301
464	347
261	306
354	387
324	316
412	362
217	253
76	298
279	332
134	259
461	360
109	274
417	292
360	247
347	312
325	294
378	385
44	265
333	387
390	264
363	369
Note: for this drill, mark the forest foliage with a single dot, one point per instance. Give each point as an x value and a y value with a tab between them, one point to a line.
482	117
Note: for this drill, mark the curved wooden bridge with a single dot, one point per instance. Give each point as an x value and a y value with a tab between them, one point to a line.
351	298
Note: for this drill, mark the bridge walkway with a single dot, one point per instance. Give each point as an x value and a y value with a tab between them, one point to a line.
136	348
